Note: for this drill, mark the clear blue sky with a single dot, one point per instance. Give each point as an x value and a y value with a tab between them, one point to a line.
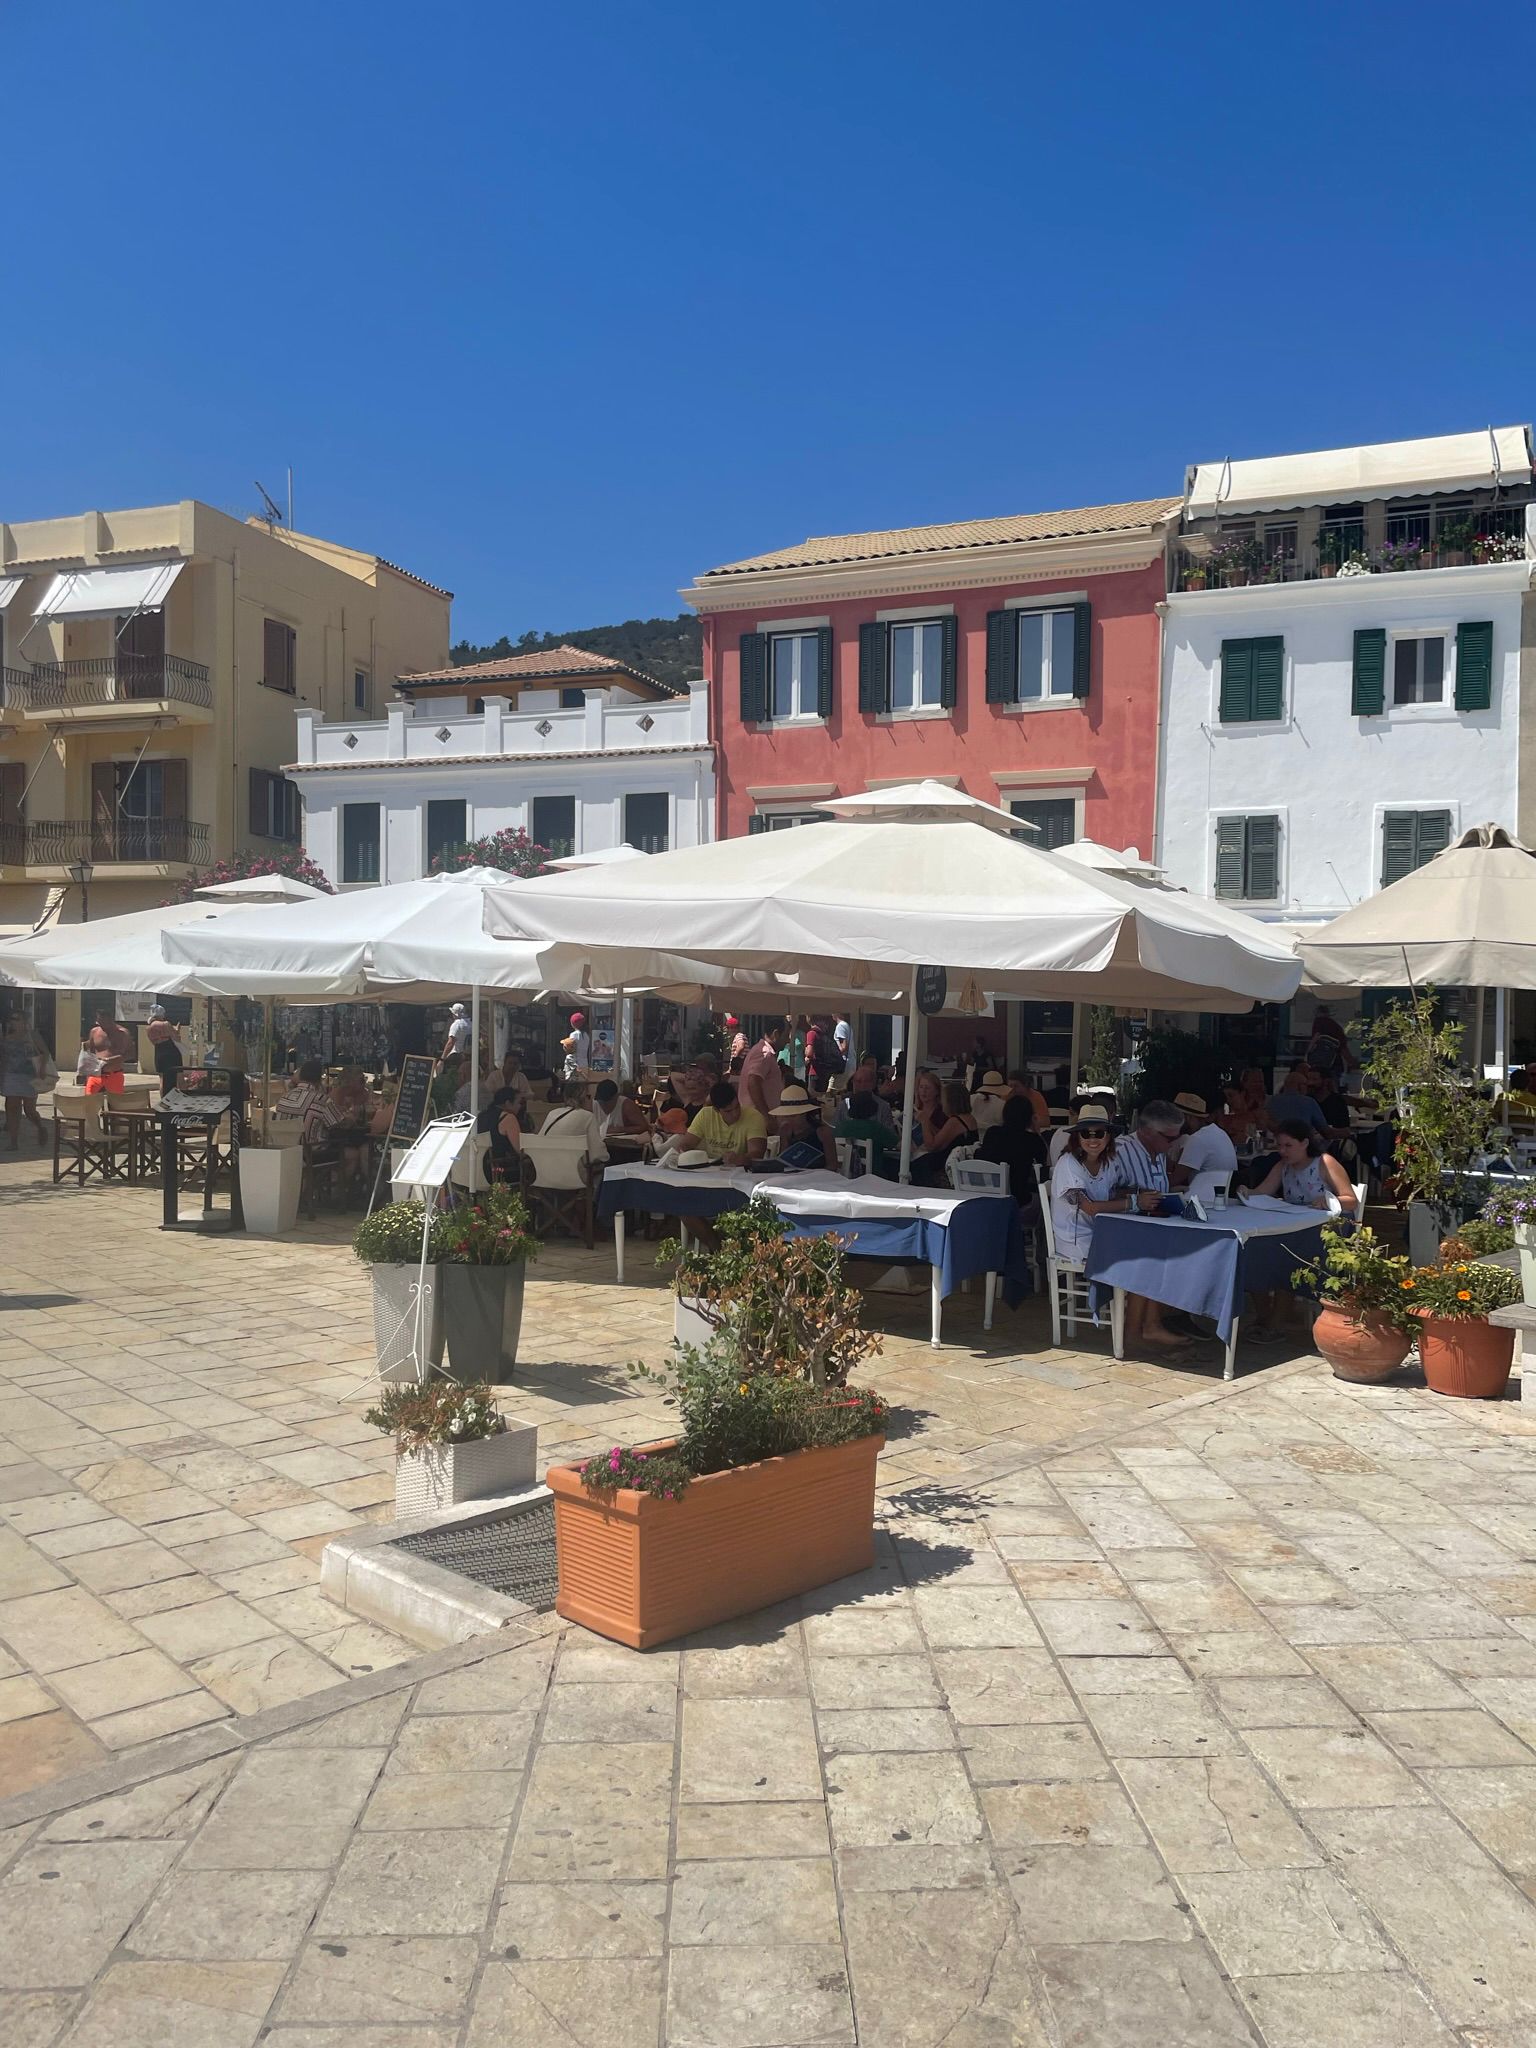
559	305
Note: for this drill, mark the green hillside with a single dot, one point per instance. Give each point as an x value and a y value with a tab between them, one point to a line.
669	649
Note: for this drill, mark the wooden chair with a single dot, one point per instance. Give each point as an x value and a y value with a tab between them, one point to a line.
82	1146
557	1184
321	1175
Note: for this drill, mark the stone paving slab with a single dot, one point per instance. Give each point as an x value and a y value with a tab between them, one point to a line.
950	1801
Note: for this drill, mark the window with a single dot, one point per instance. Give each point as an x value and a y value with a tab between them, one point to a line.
1046	642
917	666
1418	669
447	825
359	842
781	821
139	810
1054	819
276	812
554	824
279	655
794	675
1252	681
573	699
1409	838
647	821
1248	859
362	689
1038	657
1341	531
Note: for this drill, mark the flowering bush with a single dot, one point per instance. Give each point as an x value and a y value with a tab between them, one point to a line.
492	1230
1476	1240
391	1236
1360	1276
1461	1291
1498	547
441	1412
730	1417
295	863
511	850
1402	554
1513	1208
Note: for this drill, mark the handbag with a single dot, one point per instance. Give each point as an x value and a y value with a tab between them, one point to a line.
48	1067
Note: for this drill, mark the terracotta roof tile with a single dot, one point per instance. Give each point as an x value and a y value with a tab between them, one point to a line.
550	664
828	549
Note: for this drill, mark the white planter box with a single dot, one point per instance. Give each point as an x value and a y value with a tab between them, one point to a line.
269	1187
442	1475
1525	1244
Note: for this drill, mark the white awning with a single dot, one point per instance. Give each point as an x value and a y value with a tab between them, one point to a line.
9	585
1386	469
108	593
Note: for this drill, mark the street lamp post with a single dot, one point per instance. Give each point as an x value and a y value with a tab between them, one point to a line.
81	871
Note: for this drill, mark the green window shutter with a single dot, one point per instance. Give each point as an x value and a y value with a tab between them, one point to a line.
754	678
874	668
1474	666
1368	696
1434	835
757	823
1002	658
824	671
1236	681
949	661
1263	878
1082	650
1231	840
1399	845
1269	678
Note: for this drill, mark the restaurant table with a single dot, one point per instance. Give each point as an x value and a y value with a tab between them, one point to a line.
1205	1269
958	1235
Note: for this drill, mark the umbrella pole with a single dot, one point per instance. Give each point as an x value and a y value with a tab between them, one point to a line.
266	1081
474	1051
1500	1028
909	1090
1477	1036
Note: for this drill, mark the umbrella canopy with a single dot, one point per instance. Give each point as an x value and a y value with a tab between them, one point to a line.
1108	860
1466	919
113	952
260	889
891	894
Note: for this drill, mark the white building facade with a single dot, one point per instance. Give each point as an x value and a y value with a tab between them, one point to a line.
579	769
1348	642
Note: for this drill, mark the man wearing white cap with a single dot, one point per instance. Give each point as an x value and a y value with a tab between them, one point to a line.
460	1031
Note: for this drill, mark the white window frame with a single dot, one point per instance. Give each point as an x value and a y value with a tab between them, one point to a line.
1445	703
781	820
802	638
1282	865
1050	698
920	707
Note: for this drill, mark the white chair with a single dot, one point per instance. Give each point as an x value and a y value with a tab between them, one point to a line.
959	1156
468	1170
1070	1298
557	1181
968	1176
1211	1181
1359	1187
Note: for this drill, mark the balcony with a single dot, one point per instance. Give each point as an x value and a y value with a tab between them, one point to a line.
124	684
54	843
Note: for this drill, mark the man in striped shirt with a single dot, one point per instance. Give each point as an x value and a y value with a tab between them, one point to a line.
1141	1165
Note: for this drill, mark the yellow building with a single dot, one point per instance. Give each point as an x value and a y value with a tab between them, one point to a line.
152	662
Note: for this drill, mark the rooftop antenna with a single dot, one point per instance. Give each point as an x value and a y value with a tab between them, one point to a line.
273	514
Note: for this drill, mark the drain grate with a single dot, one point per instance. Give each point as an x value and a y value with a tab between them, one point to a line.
515	1555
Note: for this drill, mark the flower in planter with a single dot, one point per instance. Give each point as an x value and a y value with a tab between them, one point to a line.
1465	1292
1356	1273
440	1412
490	1231
391	1236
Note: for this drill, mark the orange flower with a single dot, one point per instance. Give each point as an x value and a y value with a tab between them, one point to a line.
1408	1285
1465	1294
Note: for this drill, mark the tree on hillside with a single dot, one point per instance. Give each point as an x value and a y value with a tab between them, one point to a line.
671	650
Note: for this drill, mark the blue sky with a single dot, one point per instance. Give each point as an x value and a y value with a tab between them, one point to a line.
561	305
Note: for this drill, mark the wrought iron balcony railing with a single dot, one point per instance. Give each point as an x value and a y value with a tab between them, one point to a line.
108	679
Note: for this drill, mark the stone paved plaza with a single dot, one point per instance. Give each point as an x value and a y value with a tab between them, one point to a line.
1172	1714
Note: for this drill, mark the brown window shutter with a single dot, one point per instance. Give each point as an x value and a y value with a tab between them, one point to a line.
13	781
259	803
174	784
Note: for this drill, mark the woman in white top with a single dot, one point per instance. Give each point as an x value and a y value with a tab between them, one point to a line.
1083	1182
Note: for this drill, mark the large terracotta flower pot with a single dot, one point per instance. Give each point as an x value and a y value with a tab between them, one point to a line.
1465	1356
1364	1348
642	1570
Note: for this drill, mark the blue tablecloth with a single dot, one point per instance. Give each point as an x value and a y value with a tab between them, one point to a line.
1204	1268
980	1233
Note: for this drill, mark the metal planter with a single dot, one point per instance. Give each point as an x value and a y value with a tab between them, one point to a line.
482	1316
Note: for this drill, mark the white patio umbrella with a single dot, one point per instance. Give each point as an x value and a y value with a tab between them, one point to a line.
916	887
1466	919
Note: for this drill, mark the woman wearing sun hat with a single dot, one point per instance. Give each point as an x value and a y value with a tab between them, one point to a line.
1084	1182
987	1099
804	1140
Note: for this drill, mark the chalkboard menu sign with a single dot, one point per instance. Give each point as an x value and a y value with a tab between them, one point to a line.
412	1101
932	990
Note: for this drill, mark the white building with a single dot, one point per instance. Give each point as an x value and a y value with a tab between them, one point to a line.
1346	643
580	751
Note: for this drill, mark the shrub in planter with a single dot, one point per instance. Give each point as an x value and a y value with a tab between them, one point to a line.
1462	1353
774	1299
389	1242
452	1444
1364	1325
483	1247
1514	1209
768	1490
1446	1124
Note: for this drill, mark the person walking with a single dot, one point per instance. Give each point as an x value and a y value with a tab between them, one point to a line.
24	1064
164	1036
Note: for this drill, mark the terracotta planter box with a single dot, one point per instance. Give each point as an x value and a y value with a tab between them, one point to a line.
642	1571
1465	1356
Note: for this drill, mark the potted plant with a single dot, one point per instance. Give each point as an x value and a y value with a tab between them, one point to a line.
271	1176
1498	547
1330	551
1460	1350
483	1248
1455	539
1355	563
1402	554
783	1298
1514	1210
389	1243
1236	559
452	1444
1445	1125
1196	575
767	1491
1364	1324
